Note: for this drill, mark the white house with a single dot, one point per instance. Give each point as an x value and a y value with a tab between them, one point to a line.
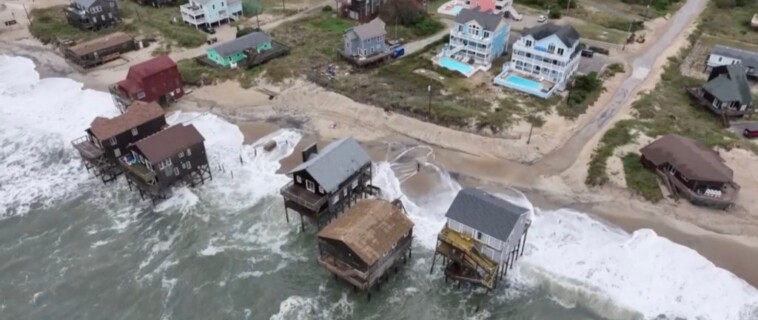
723	55
542	60
476	39
498	225
210	12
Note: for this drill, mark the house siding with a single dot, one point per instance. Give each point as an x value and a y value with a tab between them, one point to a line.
494	249
159	85
214	12
101	14
168	175
124	139
364	47
537	60
214	56
469	39
337	199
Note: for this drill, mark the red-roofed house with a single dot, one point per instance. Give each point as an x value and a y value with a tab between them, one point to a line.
154	80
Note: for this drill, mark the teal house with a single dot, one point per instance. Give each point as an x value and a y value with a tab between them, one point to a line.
229	54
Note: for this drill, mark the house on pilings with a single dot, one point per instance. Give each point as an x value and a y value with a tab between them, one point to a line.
175	155
482	239
366	244
155	80
108	139
328	181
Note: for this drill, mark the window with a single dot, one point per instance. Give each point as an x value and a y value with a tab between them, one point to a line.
551	48
528	43
164	164
94	19
181	154
355	183
486	34
117	152
321	190
112	141
189	165
176	171
298	179
134	131
344	192
560	51
336	199
102	17
310	186
720	58
140	95
214	6
478	235
189	152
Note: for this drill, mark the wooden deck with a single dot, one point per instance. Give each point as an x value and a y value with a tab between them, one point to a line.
360	61
464	251
303	197
87	149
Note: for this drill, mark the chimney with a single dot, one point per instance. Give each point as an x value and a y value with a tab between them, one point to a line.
308	151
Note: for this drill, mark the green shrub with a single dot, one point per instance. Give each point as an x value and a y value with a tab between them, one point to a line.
641	180
555	13
326	8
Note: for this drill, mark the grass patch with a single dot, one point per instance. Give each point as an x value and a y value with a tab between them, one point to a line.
726	20
664	110
599	33
160	51
612	70
640	179
421	29
197	74
583	92
604	19
49	24
151	21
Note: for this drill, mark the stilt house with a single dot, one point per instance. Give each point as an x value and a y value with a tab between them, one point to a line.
154	80
727	92
364	244
100	50
328	181
156	163
483	237
108	139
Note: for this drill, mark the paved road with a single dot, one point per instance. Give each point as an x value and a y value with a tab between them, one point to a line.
415	46
562	158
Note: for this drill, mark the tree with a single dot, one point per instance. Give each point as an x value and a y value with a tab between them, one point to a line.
403	12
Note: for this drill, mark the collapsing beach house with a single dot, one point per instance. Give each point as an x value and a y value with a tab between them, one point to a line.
99	50
362	245
483	237
108	139
154	80
154	164
328	181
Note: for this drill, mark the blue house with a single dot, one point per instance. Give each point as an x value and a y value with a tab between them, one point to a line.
476	39
366	40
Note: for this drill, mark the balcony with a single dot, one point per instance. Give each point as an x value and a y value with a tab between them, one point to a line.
86	148
191	9
138	170
303	197
723	198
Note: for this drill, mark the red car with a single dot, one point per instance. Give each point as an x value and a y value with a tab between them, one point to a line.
751	131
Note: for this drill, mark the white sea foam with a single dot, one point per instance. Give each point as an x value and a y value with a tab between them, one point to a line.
577	259
38	120
580	260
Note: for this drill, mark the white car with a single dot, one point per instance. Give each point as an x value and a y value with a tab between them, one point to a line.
541	19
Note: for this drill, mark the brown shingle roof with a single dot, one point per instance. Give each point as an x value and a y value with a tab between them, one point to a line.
101	43
692	158
136	114
370	228
164	144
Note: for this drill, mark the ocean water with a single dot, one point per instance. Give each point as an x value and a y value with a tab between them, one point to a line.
72	248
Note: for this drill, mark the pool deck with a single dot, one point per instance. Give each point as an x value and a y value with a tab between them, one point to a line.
474	68
500	80
451	8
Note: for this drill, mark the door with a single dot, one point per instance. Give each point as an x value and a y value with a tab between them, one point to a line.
310	186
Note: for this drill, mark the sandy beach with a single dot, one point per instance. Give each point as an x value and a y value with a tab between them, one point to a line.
728	239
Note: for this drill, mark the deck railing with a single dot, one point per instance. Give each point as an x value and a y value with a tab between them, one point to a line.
728	195
86	148
303	197
138	170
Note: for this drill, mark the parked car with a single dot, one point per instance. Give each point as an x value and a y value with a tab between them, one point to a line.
541	19
397	52
751	131
208	30
588	53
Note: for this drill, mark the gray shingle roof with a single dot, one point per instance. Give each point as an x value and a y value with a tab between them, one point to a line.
566	33
749	58
337	162
690	157
372	29
247	41
729	83
85	3
488	20
485	212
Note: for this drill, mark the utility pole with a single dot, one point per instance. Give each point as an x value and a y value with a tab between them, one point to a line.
631	24
283	8
429	88
647	9
529	139
568	6
395	27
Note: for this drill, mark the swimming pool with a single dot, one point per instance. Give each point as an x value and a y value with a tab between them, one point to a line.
524	83
456	65
451	8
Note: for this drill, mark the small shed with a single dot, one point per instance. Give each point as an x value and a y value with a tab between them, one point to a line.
364	243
